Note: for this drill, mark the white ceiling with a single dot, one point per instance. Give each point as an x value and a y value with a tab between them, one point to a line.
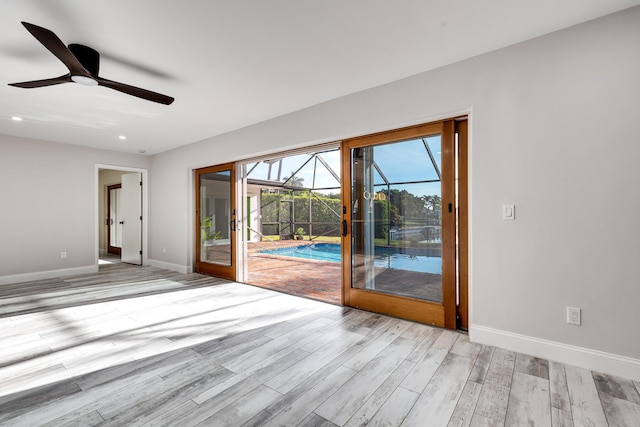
232	63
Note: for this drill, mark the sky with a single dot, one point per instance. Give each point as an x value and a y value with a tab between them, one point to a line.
400	162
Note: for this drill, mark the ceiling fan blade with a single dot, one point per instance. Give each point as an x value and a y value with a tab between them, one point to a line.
57	47
136	91
41	83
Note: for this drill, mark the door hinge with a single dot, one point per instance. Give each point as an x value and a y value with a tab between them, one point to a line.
140	217
140	183
140	252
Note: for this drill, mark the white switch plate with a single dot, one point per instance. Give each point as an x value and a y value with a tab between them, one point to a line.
509	212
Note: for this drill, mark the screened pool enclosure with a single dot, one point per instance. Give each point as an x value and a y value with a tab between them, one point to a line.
295	214
298	197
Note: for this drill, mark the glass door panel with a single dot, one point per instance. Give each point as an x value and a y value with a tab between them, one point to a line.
396	220
401	255
215	233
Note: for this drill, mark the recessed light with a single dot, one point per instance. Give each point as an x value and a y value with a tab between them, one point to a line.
16	118
122	137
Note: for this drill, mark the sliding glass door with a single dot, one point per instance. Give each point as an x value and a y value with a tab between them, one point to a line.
401	210
399	244
216	221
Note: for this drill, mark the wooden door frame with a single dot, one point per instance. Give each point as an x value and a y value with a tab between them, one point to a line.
115	250
462	129
443	314
218	270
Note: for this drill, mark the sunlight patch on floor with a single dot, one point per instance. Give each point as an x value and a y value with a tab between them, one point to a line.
77	340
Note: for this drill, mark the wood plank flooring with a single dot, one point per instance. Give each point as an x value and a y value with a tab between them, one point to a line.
133	346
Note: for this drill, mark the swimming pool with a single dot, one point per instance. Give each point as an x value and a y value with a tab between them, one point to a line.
384	257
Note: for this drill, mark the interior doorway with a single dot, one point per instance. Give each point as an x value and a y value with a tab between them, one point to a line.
121	224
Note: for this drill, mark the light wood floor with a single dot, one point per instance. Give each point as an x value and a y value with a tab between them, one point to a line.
144	346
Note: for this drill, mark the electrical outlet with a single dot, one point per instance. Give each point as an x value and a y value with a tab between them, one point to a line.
573	316
63	255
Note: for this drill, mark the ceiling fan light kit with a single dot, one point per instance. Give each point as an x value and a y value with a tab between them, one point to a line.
83	64
84	80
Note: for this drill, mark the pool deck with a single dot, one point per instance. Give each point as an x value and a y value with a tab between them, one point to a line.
322	280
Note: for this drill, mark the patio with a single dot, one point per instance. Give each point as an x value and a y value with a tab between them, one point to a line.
322	280
319	280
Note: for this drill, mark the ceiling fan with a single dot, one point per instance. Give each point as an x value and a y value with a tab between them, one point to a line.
83	64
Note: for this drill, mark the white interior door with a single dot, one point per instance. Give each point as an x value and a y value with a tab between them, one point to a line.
131	205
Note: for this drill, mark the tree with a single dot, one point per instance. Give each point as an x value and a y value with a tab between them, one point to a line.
405	207
433	202
293	180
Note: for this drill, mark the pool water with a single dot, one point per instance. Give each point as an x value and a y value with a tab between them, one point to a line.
384	257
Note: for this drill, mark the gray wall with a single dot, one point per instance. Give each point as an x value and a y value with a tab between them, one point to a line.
49	205
554	129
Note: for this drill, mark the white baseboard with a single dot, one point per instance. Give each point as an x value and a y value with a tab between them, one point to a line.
170	266
594	360
50	274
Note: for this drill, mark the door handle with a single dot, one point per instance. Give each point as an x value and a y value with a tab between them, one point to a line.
345	227
233	221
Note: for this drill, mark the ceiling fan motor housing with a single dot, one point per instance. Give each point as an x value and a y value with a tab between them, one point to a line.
89	58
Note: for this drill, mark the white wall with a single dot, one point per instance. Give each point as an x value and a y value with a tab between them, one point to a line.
554	129
48	205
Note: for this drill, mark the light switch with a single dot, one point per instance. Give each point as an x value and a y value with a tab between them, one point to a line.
509	212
